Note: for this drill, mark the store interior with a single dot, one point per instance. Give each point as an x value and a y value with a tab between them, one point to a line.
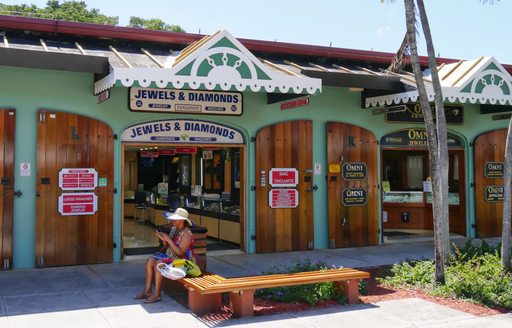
204	180
407	196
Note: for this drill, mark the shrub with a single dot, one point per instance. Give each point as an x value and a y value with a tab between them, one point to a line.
473	273
311	294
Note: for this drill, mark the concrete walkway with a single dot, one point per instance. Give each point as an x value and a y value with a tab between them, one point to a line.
101	296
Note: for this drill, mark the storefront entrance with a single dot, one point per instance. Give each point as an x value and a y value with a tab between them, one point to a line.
7	126
489	155
406	186
75	160
284	187
352	186
194	164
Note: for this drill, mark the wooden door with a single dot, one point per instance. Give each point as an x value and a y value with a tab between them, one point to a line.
352	186
72	141
489	148
284	145
7	126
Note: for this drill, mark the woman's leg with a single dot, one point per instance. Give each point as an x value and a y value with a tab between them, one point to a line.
155	296
150	267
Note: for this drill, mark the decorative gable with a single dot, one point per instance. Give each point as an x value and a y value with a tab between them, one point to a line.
216	62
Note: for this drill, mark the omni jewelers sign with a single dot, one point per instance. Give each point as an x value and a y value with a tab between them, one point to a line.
182	131
185	101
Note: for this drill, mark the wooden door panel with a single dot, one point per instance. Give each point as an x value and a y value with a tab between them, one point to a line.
284	145
489	147
7	133
73	141
351	225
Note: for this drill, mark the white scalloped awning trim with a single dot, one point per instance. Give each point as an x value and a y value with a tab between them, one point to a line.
163	78
450	95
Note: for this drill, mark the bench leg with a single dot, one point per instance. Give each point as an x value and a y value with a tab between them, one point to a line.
350	290
242	303
201	304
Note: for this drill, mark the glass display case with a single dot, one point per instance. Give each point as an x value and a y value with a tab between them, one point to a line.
208	205
453	198
408	197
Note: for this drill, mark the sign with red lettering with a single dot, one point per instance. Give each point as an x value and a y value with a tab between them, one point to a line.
78	179
186	150
295	103
284	177
283	198
83	203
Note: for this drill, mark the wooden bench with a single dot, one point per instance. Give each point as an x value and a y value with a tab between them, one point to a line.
205	292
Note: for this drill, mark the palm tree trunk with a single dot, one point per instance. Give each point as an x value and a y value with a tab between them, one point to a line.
507	186
440	206
433	144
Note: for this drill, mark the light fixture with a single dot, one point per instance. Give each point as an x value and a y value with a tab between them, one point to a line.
390	109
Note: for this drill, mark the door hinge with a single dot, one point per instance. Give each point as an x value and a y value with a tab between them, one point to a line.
114	245
40	262
253	237
7	264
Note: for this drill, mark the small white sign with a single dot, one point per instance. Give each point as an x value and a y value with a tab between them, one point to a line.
427	186
25	169
384	216
317	169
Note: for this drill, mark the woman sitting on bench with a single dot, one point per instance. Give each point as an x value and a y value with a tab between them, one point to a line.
179	244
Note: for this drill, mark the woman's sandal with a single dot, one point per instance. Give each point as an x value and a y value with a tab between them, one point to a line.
142	296
152	300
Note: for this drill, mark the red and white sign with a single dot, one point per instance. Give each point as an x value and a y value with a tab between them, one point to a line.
83	203
295	103
283	198
166	152
186	150
149	154
284	177
78	179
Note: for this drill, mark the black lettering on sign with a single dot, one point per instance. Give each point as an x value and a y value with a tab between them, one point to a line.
354	197
354	171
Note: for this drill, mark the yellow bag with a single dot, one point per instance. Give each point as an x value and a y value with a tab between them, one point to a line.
192	269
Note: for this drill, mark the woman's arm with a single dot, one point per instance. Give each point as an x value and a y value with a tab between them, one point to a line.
184	245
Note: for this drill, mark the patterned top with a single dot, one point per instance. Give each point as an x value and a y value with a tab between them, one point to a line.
176	236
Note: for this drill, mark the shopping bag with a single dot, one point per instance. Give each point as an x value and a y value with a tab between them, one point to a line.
170	271
191	268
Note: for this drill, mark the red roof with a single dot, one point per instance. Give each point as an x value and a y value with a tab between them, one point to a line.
138	34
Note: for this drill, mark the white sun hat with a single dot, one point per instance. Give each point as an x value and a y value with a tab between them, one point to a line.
179	214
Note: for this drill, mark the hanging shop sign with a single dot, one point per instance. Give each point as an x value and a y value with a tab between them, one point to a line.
414	138
354	197
149	154
185	101
84	203
78	179
166	152
283	198
354	171
284	177
414	114
182	131
493	170
186	150
295	103
494	194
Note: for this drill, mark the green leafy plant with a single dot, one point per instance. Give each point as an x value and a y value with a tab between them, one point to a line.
474	273
311	294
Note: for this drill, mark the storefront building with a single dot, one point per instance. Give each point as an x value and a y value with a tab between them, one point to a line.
273	147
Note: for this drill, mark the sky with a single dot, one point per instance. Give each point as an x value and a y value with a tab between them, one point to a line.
462	29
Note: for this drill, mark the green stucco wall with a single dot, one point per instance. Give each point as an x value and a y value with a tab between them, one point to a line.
28	90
